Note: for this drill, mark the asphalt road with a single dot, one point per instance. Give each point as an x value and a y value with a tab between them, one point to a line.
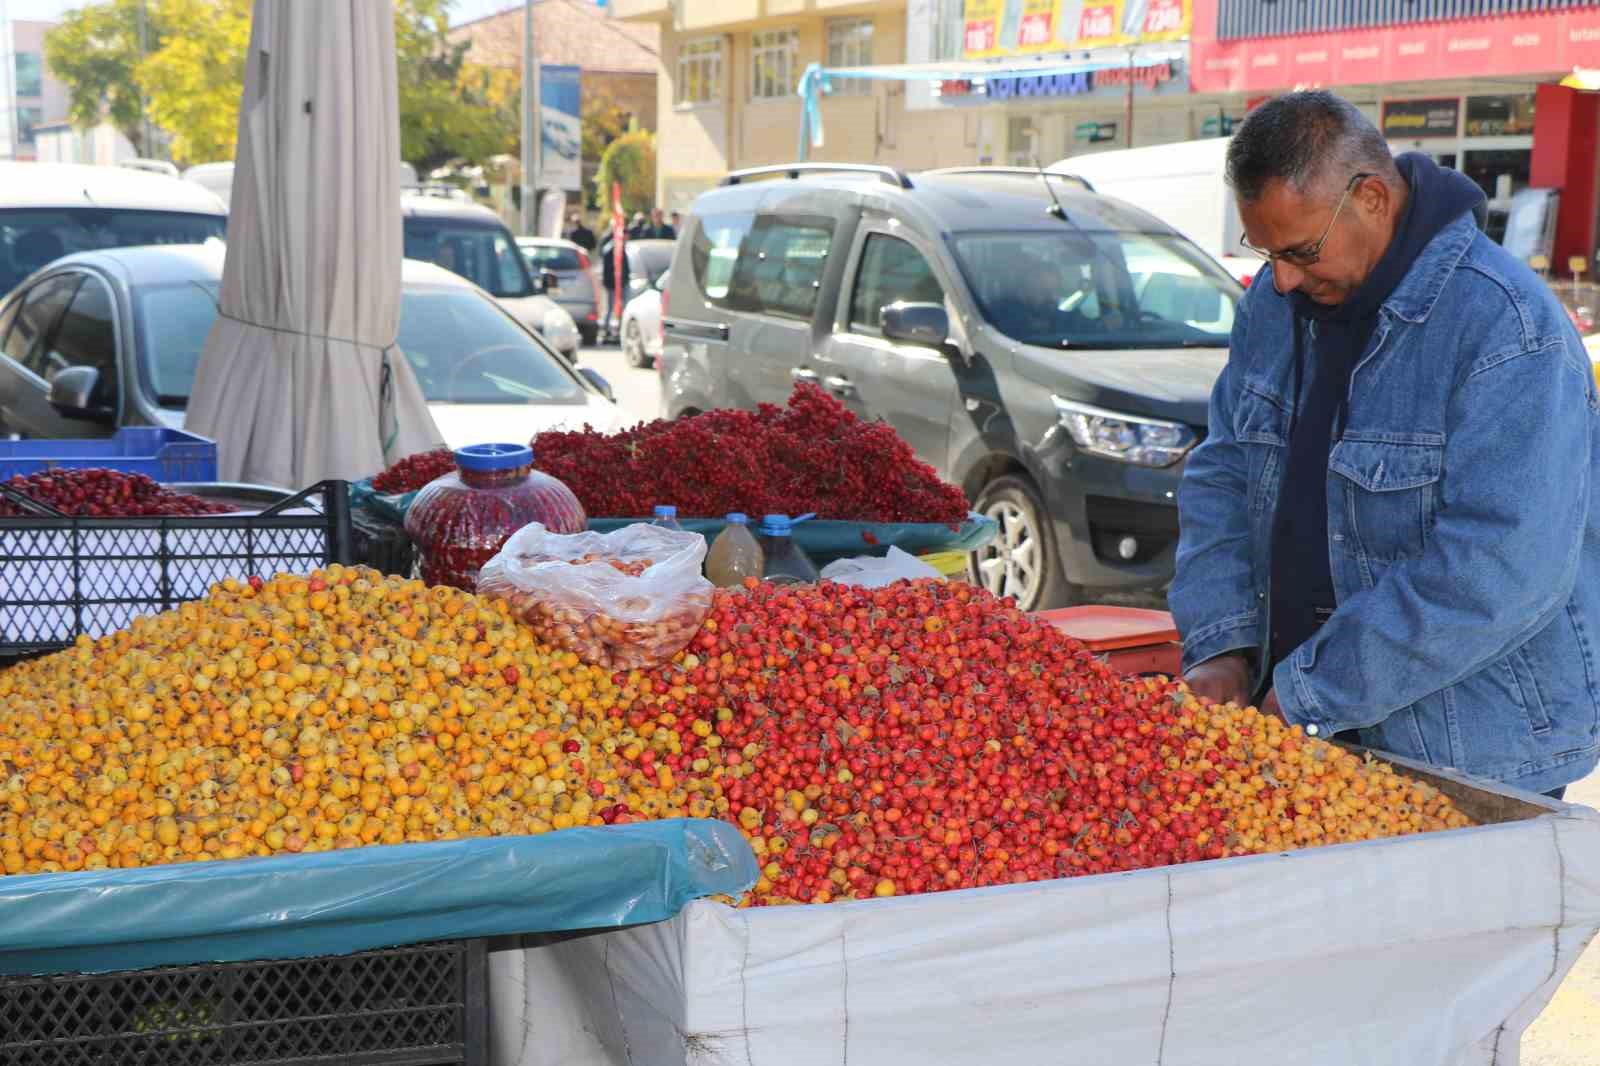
638	391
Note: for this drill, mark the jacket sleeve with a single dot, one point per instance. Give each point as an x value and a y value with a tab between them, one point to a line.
1501	559
1211	598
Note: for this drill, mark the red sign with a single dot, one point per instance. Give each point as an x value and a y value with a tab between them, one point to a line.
1096	21
1163	16
1505	46
1036	29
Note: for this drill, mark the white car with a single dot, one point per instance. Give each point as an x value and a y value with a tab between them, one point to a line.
486	377
641	325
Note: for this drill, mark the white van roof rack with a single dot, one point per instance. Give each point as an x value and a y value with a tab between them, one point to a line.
1015	172
890	175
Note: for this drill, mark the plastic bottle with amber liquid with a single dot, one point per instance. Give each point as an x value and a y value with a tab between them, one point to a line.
734	555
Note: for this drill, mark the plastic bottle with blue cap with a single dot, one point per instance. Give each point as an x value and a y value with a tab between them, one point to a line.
666	516
735	555
784	561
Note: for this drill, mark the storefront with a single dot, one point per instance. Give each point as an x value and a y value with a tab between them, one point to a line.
1467	92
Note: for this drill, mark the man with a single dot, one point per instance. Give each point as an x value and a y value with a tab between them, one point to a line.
636	226
658	228
1390	529
675	220
578	233
611	283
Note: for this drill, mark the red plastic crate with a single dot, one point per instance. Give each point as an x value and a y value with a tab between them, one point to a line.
1132	640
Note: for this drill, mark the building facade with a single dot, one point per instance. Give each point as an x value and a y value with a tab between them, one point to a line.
29	95
1476	86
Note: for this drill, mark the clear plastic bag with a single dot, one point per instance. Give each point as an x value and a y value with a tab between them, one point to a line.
625	600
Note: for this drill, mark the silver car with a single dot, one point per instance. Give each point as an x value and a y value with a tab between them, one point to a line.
471	241
578	292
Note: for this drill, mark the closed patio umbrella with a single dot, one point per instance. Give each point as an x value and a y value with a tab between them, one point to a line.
300	378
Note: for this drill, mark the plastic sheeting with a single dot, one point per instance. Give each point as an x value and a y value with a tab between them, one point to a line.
1423	951
336	902
825	540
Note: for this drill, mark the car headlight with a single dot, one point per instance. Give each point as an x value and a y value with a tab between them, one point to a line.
1128	438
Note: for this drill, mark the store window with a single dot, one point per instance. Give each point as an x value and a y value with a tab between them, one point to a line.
1022	141
774	64
27	119
30	74
850	45
1500	116
699	72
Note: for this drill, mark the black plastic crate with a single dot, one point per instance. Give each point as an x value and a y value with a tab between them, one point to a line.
424	1005
61	577
382	544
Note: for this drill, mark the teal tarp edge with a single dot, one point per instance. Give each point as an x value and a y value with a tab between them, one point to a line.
336	902
391	507
826	540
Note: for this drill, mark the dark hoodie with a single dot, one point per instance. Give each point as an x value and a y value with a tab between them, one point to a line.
1302	581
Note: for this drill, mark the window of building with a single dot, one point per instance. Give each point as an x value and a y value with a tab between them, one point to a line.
699	72
774	64
850	45
27	119
30	74
891	271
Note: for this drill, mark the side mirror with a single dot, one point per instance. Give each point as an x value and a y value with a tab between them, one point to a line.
923	324
72	394
592	376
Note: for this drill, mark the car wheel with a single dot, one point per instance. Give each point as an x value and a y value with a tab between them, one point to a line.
633	345
1021	561
589	333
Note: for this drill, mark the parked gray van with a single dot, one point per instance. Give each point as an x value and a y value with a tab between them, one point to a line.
1049	350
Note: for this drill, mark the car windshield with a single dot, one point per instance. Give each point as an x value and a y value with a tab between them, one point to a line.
483	254
32	237
464	349
1098	289
552	257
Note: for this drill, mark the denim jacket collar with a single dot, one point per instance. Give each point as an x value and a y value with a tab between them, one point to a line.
1413	299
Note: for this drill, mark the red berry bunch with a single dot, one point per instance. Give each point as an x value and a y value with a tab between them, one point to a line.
97	493
415	471
812	455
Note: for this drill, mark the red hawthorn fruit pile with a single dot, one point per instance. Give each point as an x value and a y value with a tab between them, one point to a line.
926	736
415	471
99	493
811	456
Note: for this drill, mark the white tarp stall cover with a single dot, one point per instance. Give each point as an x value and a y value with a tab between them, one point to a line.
300	379
1421	951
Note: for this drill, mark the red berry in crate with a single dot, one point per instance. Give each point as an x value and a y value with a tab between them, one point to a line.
812	455
97	493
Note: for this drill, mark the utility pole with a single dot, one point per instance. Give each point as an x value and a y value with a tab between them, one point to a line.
145	147
532	132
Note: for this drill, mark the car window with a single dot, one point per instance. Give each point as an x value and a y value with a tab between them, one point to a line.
1098	289
31	238
780	266
86	336
715	250
463	348
466	350
552	257
483	254
891	271
40	308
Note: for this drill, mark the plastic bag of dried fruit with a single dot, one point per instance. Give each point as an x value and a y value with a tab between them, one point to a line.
624	600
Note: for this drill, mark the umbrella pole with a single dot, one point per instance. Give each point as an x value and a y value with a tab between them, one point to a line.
532	133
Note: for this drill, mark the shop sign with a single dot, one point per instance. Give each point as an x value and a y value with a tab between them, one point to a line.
1095	132
1500	116
996	28
1515	45
1148	76
1407	119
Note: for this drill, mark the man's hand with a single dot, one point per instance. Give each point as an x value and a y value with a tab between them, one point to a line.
1269	706
1225	679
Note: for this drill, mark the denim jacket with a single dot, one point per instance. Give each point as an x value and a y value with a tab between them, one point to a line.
1463	531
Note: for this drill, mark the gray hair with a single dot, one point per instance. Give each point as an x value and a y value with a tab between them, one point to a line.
1311	141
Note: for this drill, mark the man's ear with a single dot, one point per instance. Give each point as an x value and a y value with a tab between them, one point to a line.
1375	196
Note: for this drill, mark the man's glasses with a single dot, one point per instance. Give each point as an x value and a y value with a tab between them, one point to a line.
1308	254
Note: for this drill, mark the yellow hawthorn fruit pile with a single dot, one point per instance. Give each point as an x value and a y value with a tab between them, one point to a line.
310	713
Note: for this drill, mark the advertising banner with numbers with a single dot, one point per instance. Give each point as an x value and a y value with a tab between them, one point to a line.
994	28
